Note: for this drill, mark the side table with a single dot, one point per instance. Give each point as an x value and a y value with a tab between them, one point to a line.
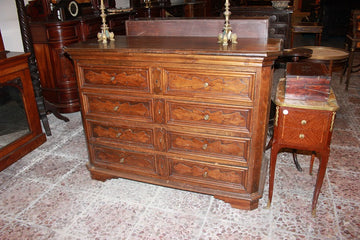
303	125
334	58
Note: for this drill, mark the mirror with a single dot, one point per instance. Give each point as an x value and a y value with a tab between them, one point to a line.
13	120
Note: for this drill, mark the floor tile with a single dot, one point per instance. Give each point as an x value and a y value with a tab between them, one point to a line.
183	201
57	208
344	185
159	224
107	219
349	222
20	230
19	194
221	230
130	191
50	169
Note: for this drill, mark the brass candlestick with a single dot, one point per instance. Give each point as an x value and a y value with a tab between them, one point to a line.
227	35
147	3
105	33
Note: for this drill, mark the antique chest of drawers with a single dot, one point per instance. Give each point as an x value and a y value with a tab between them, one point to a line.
178	112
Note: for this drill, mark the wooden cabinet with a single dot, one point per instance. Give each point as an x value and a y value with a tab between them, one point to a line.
180	112
50	35
304	125
20	131
279	20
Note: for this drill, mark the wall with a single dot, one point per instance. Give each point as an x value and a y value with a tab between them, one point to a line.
9	25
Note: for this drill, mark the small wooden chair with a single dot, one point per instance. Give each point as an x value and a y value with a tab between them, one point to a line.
307	27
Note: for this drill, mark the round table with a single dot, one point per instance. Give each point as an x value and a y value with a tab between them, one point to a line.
333	58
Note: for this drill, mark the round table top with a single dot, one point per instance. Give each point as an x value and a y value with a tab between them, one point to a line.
327	53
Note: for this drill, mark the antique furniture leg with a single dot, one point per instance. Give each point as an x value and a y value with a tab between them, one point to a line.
324	156
312	162
274	151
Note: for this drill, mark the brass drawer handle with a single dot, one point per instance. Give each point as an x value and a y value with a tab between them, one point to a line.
112	78
206	117
204	146
116	108
205	174
122	160
118	135
206	84
303	122
301	136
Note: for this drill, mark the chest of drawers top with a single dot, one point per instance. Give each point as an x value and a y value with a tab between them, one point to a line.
247	47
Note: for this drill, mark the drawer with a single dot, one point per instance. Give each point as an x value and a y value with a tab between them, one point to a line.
216	176
304	127
207	84
124	161
279	29
308	119
121	77
120	107
204	115
303	137
126	135
234	150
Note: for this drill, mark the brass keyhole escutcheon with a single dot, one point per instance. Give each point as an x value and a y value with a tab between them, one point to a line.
206	117
301	136
122	160
204	146
303	122
205	174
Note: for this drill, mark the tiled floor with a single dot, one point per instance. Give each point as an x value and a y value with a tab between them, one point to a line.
48	194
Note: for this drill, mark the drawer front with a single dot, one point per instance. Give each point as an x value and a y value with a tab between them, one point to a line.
143	137
209	84
121	77
236	150
120	107
208	175
122	160
278	29
303	137
304	127
303	119
204	115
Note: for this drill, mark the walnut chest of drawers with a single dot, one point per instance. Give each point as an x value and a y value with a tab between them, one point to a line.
179	112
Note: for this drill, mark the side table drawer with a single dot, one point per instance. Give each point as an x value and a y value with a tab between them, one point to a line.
302	137
303	127
302	118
